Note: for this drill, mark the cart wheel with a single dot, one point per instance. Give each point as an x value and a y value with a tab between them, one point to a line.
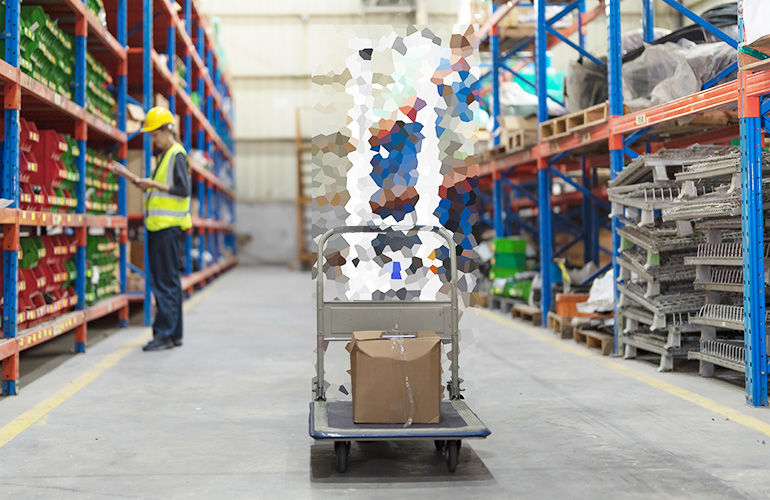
451	452
439	443
341	449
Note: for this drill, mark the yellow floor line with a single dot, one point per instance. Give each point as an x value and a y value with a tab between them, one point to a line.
36	413
702	401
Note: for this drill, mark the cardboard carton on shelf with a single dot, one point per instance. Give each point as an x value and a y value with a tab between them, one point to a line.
395	378
135	164
134	118
515	122
161	100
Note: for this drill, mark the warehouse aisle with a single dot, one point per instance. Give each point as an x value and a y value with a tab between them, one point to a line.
226	417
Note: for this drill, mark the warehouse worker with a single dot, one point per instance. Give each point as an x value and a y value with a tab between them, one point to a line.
167	215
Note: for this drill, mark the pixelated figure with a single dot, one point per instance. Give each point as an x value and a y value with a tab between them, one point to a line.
392	124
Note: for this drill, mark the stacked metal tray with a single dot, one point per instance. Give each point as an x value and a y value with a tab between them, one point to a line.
711	205
658	292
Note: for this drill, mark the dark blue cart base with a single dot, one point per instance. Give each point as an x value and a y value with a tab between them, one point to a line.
334	420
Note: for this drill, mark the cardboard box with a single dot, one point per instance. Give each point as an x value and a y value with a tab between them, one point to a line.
136	253
134	196
515	122
134	118
380	368
161	100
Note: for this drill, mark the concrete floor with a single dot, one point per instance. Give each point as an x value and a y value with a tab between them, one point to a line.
226	417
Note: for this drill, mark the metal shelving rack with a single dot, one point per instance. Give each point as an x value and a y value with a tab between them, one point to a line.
751	91
157	28
29	98
563	160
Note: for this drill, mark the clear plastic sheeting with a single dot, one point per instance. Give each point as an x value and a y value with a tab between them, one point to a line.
585	85
512	94
632	40
670	71
397	346
601	296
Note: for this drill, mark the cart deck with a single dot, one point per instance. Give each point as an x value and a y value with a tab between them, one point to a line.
334	420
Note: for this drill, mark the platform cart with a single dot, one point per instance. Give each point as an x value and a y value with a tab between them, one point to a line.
333	419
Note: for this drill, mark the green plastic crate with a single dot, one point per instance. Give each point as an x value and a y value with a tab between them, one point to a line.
520	290
510	246
32	250
510	261
503	272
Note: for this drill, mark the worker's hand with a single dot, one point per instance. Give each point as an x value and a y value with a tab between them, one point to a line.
145	184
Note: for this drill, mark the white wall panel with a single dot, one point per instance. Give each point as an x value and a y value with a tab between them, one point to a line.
256	47
266	108
266	171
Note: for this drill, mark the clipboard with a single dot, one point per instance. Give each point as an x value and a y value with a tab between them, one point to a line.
122	171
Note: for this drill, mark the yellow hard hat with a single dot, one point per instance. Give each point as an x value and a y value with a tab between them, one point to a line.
156	118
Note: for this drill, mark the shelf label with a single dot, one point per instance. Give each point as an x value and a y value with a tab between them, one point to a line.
555	147
57	99
586	137
641	119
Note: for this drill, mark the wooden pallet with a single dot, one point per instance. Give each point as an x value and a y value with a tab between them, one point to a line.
591	338
707	120
527	313
573	122
490	153
518	140
559	325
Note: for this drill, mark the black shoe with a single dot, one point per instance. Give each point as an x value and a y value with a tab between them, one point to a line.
158	344
177	342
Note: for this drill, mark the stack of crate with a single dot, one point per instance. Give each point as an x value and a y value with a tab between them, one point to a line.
103	264
510	259
47	275
101	184
48	174
711	205
47	53
96	7
99	100
657	294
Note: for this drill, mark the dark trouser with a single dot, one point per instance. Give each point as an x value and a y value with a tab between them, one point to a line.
163	247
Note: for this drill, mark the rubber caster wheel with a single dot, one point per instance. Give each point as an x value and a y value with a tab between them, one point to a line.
341	451
451	453
439	443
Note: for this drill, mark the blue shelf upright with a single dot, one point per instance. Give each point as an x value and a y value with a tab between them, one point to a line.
182	39
70	116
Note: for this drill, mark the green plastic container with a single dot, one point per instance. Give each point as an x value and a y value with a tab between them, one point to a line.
510	261
510	246
32	250
503	272
520	290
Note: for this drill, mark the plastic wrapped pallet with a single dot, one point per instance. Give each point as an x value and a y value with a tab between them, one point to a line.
585	85
670	71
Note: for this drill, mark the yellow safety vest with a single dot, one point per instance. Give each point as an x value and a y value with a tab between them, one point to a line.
164	210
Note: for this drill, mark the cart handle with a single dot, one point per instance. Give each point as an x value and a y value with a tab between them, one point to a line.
454	386
443	232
